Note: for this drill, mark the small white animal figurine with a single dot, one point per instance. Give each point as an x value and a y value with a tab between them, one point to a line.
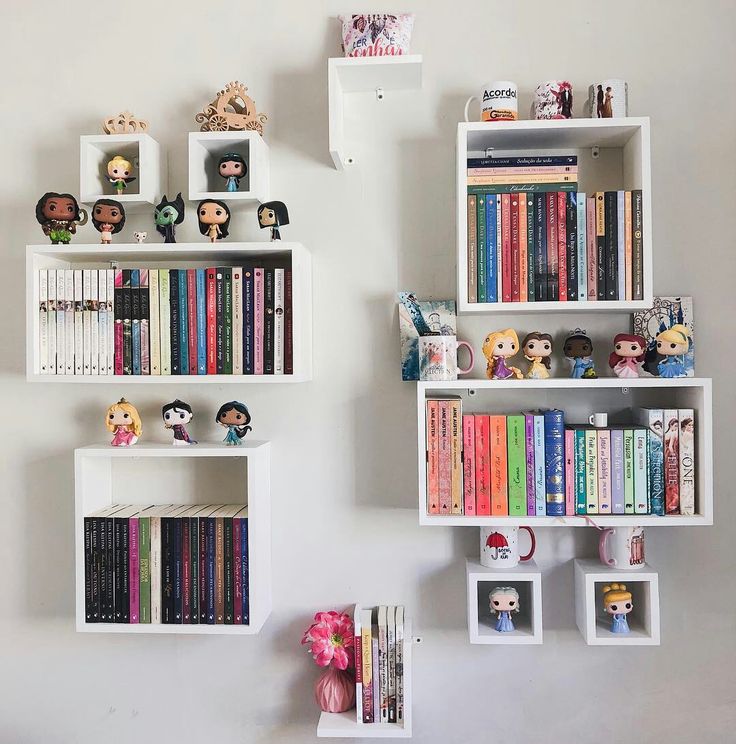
140	237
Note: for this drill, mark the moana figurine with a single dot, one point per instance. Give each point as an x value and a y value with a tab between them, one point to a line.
628	354
537	348
118	173
108	217
503	600
214	219
497	348
578	349
176	416
167	215
59	215
617	603
673	344
124	421
232	167
234	416
273	214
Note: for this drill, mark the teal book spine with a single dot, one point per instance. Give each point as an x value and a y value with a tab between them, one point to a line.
580	492
628	471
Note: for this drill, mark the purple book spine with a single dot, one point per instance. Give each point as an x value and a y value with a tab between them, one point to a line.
617	471
134	571
531	492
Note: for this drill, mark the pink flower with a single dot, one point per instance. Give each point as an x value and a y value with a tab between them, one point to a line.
330	640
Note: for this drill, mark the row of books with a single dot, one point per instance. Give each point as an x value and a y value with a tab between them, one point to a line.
379	664
532	464
167	564
533	237
219	320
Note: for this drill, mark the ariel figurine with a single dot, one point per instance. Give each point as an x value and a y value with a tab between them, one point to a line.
628	354
497	348
124	421
118	173
503	600
176	416
234	416
672	344
618	604
578	349
537	348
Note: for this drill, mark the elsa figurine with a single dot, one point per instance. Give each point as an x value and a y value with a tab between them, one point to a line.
673	344
503	600
234	416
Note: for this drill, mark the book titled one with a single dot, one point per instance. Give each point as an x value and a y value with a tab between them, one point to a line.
483	466
671	461
499	473
432	442
687	461
554	448
456	465
469	465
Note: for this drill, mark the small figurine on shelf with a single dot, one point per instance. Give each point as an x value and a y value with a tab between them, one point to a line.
497	348
628	354
140	237
617	603
503	600
167	215
108	217
232	167
673	344
537	348
234	416
214	219
578	348
124	421
275	215
119	171
59	215
176	416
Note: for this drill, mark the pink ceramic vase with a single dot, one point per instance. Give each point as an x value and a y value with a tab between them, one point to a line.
335	691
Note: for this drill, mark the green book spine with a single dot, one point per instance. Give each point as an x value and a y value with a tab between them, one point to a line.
628	471
481	256
537	188
227	328
530	246
144	548
591	471
580	492
516	454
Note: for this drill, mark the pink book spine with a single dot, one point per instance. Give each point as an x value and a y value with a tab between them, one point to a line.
258	310
591	250
604	471
135	572
237	570
469	464
569	472
483	466
433	473
562	243
118	322
445	465
531	489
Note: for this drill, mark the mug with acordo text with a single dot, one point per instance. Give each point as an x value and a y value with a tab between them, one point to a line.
622	547
438	358
499	546
498	102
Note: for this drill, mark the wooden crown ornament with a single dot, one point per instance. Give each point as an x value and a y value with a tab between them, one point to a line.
232	109
124	123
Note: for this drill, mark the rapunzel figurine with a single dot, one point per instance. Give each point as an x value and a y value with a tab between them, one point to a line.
673	344
497	348
124	421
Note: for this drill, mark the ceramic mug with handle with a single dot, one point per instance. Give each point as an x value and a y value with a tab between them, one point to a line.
498	102
499	546
438	358
622	547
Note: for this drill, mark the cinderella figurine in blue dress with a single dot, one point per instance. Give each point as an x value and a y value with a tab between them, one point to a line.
618	604
503	600
232	167
235	418
672	345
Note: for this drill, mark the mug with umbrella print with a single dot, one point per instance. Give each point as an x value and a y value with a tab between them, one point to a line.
499	546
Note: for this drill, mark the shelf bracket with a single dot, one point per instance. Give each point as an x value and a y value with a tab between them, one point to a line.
379	94
595	152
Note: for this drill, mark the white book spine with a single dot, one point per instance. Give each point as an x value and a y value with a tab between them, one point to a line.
94	324
145	305
87	319
641	500
400	664
621	243
69	321
78	324
278	322
237	320
154	322
52	322
60	323
165	321
110	330
383	662
391	630
155	568
102	320
687	461
43	322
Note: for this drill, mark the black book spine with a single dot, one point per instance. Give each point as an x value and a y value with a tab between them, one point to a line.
220	319
118	569
553	247
127	324
119	333
202	575
246	570
571	232
540	248
125	570
229	571
96	569
611	206
637	242
210	570
194	568
110	568
600	243
174	322
89	609
178	572
103	571
167	570
268	341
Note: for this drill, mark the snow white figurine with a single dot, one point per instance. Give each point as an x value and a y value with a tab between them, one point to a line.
497	348
618	604
176	416
503	600
124	421
234	416
673	344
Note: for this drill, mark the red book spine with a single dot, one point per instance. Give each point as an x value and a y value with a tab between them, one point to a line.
515	254
506	287
591	248
445	455
186	570
469	464
482	466
238	569
211	322
192	319
288	323
498	446
552	265
562	244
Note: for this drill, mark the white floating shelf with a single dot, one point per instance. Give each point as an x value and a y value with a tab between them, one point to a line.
174	255
95	150
205	148
526	578
94	490
622	161
364	75
594	624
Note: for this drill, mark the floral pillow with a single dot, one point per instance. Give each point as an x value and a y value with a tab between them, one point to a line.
376	35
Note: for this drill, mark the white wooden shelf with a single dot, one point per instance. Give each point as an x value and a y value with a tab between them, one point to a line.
205	148
94	489
175	255
95	150
526	578
578	399
622	161
364	75
594	624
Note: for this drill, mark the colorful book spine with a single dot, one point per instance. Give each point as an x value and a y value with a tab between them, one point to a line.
433	472
569	472
237	573
164	304
506	260
43	320
515	249
110	282
671	461
192	330
94	323
288	323
687	461
553	277
259	305
621	243
145	323
529	186
445	471
79	322
525	171
653	420
51	323
628	246
469	465
488	178
540	248
245	566
144	566
591	249
480	222
559	162
604	471
641	496
523	250
600	244
367	670
591	471
456	465
498	466
227	324
628	471
176	322
554	448
611	244
135	575
69	321
220	319
211	279
562	246
238	319
516	439
530	260
572	245
617	472
201	289
531	508
183	322
278	322
580	473
472	248
491	258
582	248
637	244
248	320
540	482
154	311
483	465
60	323
135	326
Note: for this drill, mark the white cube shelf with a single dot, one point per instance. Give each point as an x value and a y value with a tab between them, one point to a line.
595	625
578	399
527	580
621	161
95	150
175	255
94	490
205	148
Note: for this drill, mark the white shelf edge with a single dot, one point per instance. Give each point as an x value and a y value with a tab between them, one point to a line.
644	520
571	306
566	383
344	726
197	629
171	379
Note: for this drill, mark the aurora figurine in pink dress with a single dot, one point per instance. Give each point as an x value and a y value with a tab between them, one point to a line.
497	348
628	355
503	600
124	421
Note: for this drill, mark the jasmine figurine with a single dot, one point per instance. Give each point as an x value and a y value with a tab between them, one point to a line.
124	421
578	349
497	348
503	600
119	172
673	344
234	416
618	604
59	216
273	214
232	167
176	416
167	215
537	348
628	354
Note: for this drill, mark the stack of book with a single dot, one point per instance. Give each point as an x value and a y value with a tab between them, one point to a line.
532	464
533	237
167	564
379	664
220	320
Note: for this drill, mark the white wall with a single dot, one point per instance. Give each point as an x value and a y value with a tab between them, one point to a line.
344	498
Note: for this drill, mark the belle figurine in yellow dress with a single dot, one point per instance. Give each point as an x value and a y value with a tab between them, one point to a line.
537	348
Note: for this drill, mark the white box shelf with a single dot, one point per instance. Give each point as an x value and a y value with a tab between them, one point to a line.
527	580
346	726
604	394
94	489
622	162
174	255
205	148
364	75
95	150
594	624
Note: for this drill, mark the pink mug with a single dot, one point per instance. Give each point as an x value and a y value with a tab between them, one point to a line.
622	547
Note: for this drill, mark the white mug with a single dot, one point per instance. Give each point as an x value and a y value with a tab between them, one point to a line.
498	102
553	100
609	99
438	358
499	546
599	420
622	547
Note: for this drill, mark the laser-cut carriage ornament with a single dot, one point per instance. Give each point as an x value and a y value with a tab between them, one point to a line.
232	109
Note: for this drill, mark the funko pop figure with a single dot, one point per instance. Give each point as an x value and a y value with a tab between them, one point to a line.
497	348
578	349
124	421
234	416
537	348
618	604
232	167
673	344
59	215
628	354
273	214
119	172
502	601
176	416
214	219
167	215
108	217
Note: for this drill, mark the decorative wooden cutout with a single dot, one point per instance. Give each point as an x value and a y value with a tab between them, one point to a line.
232	109
124	123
